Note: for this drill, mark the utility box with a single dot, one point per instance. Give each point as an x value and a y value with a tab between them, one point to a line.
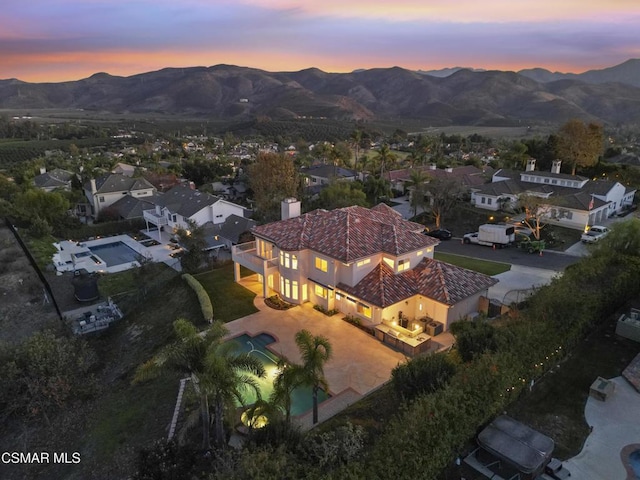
434	328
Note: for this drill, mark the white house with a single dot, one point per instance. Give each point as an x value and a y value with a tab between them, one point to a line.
575	201
176	207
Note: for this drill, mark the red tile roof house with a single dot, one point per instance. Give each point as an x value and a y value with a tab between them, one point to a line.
369	263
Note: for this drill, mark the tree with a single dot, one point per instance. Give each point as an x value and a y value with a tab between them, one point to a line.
376	188
579	144
49	206
315	351
340	194
216	370
385	158
418	180
194	243
288	379
272	178
537	210
356	138
444	194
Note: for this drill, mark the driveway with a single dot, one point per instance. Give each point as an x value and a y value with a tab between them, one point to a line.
616	425
519	282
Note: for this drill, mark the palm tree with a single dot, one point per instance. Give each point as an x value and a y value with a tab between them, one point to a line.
287	380
375	188
385	157
417	180
215	369
315	351
356	137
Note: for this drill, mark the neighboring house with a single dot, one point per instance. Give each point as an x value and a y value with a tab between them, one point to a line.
228	233
56	179
324	174
162	181
369	263
124	169
575	201
129	207
106	190
174	209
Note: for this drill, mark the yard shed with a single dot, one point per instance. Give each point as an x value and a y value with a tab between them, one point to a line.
513	442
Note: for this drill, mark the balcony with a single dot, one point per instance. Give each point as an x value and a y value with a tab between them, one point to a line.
246	255
152	217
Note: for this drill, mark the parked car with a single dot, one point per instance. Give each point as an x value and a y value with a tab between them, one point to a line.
594	234
440	233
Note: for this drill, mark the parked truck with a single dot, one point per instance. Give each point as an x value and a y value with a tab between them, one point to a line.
492	235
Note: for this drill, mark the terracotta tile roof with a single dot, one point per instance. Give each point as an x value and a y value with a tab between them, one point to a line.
433	279
348	234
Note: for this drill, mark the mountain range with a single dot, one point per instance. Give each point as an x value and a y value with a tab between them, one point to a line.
455	96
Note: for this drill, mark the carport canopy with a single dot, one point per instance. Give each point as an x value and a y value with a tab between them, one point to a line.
514	442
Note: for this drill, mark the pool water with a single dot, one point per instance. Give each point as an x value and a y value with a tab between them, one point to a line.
634	461
301	399
115	253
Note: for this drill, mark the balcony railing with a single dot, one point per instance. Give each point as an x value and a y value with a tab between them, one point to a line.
153	217
246	254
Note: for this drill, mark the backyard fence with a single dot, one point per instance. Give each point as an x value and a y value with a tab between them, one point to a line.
35	266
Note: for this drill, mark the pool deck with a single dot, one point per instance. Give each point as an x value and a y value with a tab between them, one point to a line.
360	362
616	427
65	261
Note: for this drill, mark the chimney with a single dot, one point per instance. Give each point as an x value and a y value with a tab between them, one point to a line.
43	170
531	165
432	166
94	189
290	208
555	166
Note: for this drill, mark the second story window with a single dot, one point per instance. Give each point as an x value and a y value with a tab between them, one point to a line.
321	264
289	260
403	265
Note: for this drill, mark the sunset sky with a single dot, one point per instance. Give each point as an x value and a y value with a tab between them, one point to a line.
57	40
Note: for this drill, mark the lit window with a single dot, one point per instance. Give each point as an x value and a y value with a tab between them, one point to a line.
338	296
419	254
285	259
321	291
403	265
363	262
294	289
364	310
388	261
294	262
321	264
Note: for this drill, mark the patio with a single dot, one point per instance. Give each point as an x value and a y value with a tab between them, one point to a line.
360	362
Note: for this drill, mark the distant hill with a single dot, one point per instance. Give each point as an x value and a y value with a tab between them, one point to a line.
464	97
445	72
627	73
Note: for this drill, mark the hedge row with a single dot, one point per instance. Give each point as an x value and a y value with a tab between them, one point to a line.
203	297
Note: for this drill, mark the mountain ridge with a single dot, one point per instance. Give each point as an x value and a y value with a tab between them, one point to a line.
465	96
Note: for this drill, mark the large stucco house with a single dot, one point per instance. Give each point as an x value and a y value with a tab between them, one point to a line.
574	200
369	263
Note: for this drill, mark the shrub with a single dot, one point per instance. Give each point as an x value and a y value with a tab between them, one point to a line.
277	303
203	297
40	228
424	374
328	313
474	338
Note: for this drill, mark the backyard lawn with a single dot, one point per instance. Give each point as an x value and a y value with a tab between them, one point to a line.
483	266
230	300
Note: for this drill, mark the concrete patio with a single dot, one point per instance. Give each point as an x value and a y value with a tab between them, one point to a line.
360	363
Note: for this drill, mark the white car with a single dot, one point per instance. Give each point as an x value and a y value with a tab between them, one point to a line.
594	234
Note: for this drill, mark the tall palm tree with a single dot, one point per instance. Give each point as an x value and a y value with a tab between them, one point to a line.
385	158
315	351
417	180
287	380
356	137
215	369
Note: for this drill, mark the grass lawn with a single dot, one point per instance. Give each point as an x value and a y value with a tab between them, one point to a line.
230	300
483	266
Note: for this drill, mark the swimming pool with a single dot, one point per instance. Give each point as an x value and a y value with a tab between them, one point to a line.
115	253
301	399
